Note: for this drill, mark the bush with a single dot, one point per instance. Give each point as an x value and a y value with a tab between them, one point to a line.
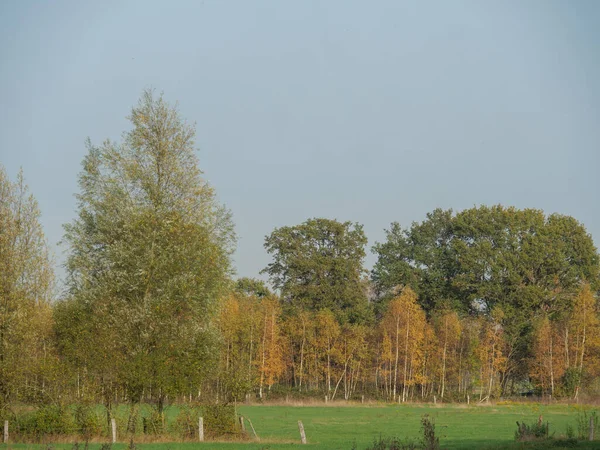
50	420
536	431
186	423
219	420
430	441
154	422
570	432
392	443
87	421
583	423
78	446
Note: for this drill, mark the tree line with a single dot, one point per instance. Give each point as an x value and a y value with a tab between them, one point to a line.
477	304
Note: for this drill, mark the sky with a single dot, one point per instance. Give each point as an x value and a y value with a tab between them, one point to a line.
370	111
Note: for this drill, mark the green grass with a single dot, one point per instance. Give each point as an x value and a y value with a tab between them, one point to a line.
340	427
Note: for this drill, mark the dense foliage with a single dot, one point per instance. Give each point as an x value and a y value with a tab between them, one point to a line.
319	265
26	283
465	306
149	258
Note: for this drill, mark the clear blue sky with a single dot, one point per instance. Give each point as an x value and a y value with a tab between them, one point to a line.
372	111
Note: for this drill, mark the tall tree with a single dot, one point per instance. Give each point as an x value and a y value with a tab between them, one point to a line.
448	330
584	323
420	257
404	322
271	363
148	259
547	366
26	283
319	265
520	261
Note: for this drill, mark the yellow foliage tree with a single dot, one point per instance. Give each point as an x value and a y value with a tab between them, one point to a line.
404	322
491	358
584	329
271	353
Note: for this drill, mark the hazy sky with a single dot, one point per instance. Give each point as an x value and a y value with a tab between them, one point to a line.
372	111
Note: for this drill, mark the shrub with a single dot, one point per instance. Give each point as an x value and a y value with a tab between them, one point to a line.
570	432
583	423
392	443
537	431
49	420
153	423
132	419
131	445
219	420
78	446
186	423
87	421
430	441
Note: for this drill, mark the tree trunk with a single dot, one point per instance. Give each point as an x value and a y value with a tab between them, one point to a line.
404	392
397	353
444	359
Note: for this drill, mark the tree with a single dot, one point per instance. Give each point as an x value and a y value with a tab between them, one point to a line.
148	259
271	354
327	332
584	323
420	257
298	328
26	283
252	287
448	330
492	359
352	353
318	265
520	261
404	323
547	367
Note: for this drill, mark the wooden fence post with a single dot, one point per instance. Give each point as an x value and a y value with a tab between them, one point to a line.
242	423
201	429
591	428
302	434
253	430
113	423
6	431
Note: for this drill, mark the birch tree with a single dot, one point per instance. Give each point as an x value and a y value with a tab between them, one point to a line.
148	258
404	322
26	286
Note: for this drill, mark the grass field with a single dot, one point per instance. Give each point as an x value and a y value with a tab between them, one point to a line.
345	427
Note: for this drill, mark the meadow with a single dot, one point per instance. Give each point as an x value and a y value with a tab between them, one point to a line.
356	426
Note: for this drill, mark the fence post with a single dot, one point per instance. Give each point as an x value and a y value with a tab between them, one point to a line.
6	431
591	428
302	434
201	429
362	399
113	423
253	430
242	423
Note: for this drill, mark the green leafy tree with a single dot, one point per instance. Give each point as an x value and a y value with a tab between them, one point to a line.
319	265
519	261
421	257
252	287
26	285
148	259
